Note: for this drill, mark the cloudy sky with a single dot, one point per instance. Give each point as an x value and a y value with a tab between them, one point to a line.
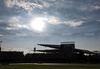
24	23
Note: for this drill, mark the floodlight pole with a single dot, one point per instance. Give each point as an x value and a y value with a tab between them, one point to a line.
0	45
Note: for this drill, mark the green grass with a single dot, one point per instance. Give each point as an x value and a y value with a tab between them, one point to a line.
46	67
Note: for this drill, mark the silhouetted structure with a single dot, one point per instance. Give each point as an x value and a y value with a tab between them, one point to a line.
7	57
63	53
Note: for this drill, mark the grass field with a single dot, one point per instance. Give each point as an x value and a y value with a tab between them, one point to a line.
46	67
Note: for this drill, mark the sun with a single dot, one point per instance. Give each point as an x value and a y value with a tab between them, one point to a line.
38	24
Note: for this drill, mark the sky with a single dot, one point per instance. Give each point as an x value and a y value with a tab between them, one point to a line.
26	23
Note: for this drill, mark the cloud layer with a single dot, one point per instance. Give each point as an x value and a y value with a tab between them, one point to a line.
63	13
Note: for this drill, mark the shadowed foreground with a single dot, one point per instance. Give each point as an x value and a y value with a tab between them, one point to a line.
46	67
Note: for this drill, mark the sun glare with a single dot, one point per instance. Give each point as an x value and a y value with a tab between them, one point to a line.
38	24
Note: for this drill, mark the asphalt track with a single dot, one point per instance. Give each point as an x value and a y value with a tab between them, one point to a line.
66	64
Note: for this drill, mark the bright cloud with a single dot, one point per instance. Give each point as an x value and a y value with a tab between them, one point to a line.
29	6
18	25
15	26
1	35
74	23
13	19
97	7
98	20
70	23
